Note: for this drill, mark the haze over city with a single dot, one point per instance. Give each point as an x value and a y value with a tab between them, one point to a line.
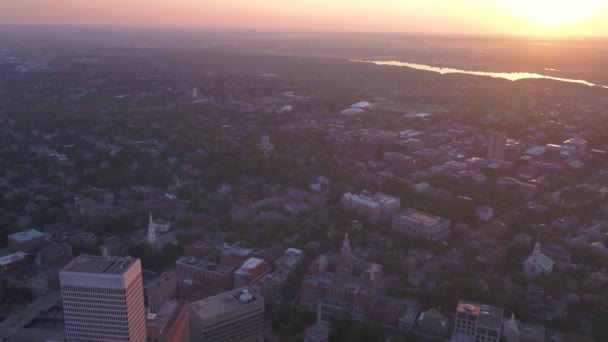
303	171
521	17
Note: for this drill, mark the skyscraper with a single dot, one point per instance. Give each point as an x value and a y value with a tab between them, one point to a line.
497	145
236	316
103	299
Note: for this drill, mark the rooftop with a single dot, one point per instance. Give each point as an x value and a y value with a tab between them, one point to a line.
238	251
26	235
251	263
225	302
100	264
531	332
487	316
421	217
204	264
166	316
9	259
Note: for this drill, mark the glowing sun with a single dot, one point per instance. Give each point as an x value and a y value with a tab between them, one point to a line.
556	15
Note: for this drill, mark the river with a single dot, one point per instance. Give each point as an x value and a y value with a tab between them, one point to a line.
512	76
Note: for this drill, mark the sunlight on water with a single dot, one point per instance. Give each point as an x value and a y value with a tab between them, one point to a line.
512	76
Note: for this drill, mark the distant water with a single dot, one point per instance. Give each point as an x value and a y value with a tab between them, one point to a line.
512	76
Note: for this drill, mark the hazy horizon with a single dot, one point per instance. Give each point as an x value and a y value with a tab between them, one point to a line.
495	17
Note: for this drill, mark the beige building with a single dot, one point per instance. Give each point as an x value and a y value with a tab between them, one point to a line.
235	316
378	208
103	299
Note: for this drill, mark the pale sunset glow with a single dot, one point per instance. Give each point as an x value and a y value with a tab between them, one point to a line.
539	17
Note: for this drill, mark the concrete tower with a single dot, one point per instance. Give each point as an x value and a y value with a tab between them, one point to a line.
103	299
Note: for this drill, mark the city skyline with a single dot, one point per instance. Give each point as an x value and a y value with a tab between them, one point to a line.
541	17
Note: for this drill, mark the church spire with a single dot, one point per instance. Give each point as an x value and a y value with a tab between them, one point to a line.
151	232
346	251
537	246
345	261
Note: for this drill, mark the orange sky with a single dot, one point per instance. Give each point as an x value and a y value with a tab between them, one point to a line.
553	17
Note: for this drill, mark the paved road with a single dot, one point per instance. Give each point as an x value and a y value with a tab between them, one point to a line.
12	324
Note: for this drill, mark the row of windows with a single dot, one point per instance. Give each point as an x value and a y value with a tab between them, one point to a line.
94	301
95	337
101	290
88	310
109	324
92	295
97	316
237	330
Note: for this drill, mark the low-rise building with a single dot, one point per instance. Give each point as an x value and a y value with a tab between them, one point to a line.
290	259
252	269
170	324
13	261
477	322
432	322
210	275
516	331
377	208
161	289
538	263
25	241
235	256
413	222
54	254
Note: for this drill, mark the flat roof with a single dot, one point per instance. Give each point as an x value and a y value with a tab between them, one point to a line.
487	316
11	258
225	302
26	235
166	315
204	265
421	217
238	251
252	262
100	264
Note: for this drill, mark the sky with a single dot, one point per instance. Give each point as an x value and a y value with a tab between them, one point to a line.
533	17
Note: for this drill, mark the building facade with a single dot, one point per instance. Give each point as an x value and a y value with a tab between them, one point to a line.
25	241
170	324
103	299
538	263
210	275
251	270
477	322
375	208
161	290
236	316
417	223
353	286
497	145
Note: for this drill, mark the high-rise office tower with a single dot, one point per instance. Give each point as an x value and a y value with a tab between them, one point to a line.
103	299
497	145
236	316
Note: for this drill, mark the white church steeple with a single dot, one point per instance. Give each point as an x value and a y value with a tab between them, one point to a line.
151	232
